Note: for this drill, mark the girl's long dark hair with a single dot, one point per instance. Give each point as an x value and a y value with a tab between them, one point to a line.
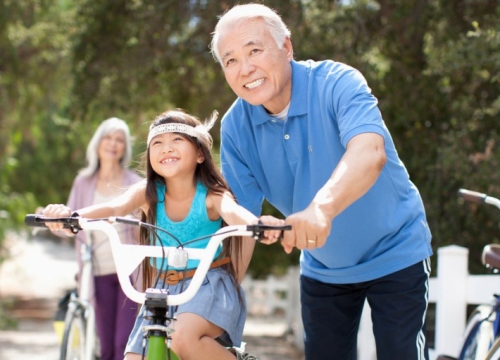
209	176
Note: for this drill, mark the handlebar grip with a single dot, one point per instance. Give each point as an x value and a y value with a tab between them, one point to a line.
472	196
258	229
34	221
262	227
71	223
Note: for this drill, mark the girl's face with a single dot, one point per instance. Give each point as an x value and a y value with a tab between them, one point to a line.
173	156
112	147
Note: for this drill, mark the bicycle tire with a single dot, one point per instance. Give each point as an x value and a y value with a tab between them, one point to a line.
74	336
494	353
479	334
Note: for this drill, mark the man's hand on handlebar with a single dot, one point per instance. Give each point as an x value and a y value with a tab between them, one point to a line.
310	229
57	211
271	236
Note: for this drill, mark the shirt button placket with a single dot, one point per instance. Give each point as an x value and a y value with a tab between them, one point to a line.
288	150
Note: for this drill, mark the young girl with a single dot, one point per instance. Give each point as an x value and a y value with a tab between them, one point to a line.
185	194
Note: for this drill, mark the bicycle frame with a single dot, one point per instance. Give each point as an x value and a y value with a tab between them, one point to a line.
80	315
476	337
84	299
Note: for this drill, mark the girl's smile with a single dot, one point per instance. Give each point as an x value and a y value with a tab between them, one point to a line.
169	160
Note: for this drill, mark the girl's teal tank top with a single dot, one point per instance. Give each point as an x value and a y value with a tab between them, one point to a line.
195	225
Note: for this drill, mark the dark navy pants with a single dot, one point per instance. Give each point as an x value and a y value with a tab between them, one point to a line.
331	314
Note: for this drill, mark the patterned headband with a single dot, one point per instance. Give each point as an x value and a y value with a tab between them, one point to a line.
200	131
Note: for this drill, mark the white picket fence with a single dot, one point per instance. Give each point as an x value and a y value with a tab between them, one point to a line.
452	290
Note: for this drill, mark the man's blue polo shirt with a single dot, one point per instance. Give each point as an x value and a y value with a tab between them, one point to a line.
288	162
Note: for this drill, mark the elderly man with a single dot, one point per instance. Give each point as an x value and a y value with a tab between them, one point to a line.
309	137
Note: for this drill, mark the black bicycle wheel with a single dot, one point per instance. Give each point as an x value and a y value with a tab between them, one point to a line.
479	334
73	343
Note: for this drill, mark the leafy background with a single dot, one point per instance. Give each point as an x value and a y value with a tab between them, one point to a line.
434	65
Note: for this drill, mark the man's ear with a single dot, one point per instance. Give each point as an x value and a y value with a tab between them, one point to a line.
289	48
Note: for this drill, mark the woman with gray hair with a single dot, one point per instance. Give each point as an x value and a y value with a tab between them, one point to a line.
105	177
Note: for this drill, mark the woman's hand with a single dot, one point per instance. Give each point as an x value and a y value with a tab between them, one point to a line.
57	211
271	236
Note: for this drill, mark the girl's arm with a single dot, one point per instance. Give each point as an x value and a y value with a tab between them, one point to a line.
226	207
134	198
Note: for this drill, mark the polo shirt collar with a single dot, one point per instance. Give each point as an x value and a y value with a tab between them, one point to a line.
299	91
300	86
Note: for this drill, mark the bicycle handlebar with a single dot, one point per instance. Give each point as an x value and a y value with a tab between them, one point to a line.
477	197
128	257
472	196
71	223
490	255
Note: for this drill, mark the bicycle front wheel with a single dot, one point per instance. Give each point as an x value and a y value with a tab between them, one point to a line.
73	343
479	334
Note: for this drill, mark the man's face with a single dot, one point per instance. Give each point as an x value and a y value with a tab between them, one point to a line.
255	67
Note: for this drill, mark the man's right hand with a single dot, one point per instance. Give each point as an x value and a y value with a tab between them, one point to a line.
310	229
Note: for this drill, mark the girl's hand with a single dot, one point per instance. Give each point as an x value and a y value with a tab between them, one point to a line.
56	211
271	236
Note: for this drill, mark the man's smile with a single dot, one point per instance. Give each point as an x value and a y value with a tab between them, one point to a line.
254	83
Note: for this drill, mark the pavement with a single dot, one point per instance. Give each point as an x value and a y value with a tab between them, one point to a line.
42	268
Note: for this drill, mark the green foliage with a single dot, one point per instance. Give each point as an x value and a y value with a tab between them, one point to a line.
34	64
7	322
434	65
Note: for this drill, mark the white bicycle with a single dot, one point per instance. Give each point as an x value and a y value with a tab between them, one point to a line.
79	335
158	301
481	340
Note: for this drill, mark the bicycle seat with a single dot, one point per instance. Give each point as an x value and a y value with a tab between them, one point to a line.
491	256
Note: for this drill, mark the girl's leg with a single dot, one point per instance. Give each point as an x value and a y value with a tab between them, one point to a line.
194	338
126	313
133	356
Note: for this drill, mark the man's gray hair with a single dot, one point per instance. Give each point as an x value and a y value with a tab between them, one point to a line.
275	25
107	126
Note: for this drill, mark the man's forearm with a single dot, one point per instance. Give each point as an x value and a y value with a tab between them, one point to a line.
356	173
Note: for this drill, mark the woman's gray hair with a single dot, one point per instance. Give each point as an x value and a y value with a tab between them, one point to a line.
275	25
107	126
